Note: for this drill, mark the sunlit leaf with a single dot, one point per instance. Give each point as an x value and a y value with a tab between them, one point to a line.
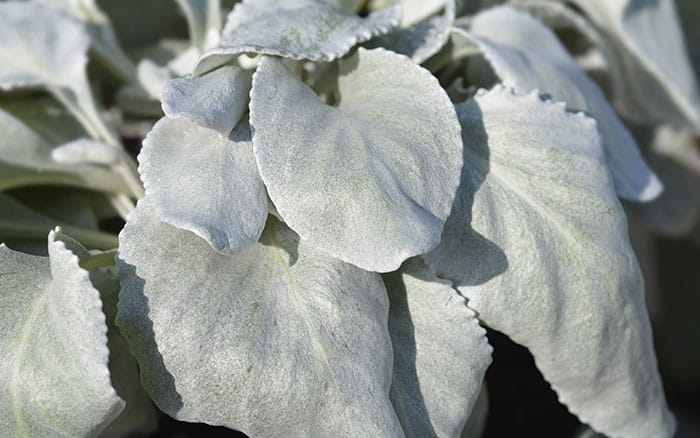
54	347
297	29
538	187
279	340
200	181
527	56
440	353
216	100
370	181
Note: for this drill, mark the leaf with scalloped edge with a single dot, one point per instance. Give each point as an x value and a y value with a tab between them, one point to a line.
297	29
440	353
216	100
653	81
539	188
54	347
527	56
278	340
370	181
201	181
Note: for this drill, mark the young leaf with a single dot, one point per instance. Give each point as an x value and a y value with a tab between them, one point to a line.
573	294
527	56
652	78
297	29
440	353
204	20
216	100
279	340
370	181
199	181
54	347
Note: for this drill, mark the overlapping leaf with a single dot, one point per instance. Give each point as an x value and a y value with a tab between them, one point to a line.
277	340
216	100
370	181
538	187
55	380
297	29
200	181
527	56
440	353
652	77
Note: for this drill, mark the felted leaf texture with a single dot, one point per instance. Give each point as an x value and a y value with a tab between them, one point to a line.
412	11
538	187
370	181
652	77
27	61
203	182
278	340
297	29
216	100
527	56
55	380
440	353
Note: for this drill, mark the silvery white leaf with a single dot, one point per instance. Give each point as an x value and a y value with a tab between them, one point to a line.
370	181
440	353
477	419
278	340
204	20
27	60
139	417
103	40
23	148
201	181
84	150
652	78
297	29
423	39
216	100
412	11
538	187
55	380
527	56
152	77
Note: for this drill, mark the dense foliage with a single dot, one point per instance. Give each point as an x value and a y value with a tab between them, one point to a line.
332	199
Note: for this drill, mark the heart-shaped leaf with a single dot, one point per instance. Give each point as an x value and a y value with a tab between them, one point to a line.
539	188
278	340
370	181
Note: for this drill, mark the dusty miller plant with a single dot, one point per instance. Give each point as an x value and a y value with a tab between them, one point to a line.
338	196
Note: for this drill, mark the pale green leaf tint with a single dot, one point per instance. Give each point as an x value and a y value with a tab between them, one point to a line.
538	187
201	181
297	29
278	340
440	353
527	56
55	380
370	181
216	100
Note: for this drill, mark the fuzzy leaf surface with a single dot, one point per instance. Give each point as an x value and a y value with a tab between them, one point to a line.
370	181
